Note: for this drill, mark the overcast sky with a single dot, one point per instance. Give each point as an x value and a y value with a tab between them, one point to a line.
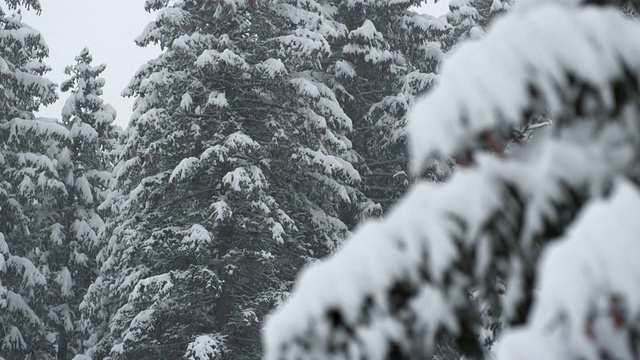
107	28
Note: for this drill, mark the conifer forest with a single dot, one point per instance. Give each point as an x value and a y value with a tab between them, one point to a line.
328	179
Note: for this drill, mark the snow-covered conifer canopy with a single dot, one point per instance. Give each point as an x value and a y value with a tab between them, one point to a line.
400	283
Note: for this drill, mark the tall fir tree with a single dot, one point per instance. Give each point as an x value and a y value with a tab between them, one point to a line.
386	56
236	170
30	187
84	165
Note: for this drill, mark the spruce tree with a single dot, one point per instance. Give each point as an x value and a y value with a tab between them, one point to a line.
544	236
30	186
85	168
386	56
236	170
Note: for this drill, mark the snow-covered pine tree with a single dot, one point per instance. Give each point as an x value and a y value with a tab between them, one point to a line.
235	170
77	235
29	188
385	57
400	284
470	18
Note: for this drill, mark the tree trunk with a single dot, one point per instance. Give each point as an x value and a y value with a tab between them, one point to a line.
63	345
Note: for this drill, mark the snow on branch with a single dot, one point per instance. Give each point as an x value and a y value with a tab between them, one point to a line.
564	60
184	168
400	284
370	298
587	300
206	347
47	128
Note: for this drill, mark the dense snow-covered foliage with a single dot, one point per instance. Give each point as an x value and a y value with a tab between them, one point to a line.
85	165
461	258
469	18
29	186
54	176
384	58
236	170
267	130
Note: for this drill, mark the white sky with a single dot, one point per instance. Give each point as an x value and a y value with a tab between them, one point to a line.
108	28
441	8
